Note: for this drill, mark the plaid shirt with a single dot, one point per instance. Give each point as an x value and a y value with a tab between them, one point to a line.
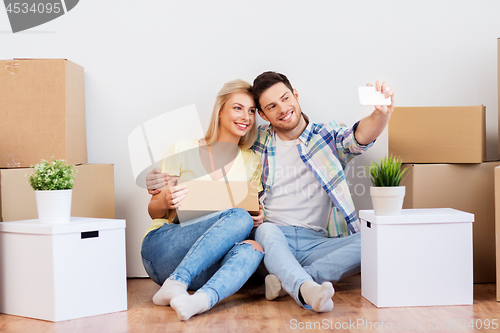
325	149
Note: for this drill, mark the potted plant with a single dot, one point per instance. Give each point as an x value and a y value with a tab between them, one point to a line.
387	196
53	184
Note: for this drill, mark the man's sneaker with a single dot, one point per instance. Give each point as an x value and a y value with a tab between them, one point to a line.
272	287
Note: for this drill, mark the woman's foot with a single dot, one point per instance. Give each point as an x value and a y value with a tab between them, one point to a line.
273	288
318	296
169	290
187	306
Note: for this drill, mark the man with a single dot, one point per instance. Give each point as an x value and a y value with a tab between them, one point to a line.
306	195
311	231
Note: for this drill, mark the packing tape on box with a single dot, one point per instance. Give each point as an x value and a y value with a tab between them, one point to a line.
14	162
11	66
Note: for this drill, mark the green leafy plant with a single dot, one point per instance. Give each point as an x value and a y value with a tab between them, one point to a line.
386	173
55	175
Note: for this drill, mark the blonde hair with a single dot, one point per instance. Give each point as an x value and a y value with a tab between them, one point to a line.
231	87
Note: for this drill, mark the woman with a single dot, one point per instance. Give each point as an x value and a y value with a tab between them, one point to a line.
211	253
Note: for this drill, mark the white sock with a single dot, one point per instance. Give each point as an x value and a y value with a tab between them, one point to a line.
273	288
169	290
187	306
318	296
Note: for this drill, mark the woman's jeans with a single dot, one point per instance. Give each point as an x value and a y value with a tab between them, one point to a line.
297	254
206	253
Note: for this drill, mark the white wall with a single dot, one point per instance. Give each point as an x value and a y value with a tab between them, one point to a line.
143	58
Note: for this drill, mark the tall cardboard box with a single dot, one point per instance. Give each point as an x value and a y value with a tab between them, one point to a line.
93	193
438	134
497	226
42	112
465	187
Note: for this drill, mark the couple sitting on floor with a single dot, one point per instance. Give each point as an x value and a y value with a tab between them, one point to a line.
307	229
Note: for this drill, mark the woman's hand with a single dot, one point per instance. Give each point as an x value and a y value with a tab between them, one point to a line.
174	195
257	220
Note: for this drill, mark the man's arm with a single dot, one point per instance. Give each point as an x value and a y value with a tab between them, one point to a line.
259	219
370	127
169	198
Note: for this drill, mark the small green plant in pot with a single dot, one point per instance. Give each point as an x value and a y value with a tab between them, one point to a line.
387	196
53	184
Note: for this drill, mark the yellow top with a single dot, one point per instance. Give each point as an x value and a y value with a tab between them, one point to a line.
182	159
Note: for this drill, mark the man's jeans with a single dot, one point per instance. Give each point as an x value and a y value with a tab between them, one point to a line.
209	250
297	254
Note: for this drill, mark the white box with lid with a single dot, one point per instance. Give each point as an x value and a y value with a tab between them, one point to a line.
422	257
59	272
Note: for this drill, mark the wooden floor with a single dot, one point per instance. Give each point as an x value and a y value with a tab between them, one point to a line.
249	311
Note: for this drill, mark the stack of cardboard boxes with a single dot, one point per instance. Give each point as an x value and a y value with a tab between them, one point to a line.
42	115
445	150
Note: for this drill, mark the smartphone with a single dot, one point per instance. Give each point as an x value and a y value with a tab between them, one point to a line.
370	96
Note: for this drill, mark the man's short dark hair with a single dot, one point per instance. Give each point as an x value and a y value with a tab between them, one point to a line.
265	81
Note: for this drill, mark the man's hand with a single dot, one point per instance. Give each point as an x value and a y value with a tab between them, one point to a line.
257	220
369	128
384	89
155	180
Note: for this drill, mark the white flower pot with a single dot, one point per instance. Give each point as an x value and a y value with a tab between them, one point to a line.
54	206
387	200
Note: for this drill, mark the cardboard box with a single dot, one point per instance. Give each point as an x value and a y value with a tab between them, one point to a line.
206	197
422	257
497	227
93	193
63	271
438	134
498	87
466	187
42	112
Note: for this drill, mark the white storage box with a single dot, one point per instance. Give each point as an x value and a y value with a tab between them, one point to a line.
62	271
419	258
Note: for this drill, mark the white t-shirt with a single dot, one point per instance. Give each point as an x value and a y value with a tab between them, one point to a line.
296	197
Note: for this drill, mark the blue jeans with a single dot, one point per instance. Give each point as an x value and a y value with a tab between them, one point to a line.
207	255
296	254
